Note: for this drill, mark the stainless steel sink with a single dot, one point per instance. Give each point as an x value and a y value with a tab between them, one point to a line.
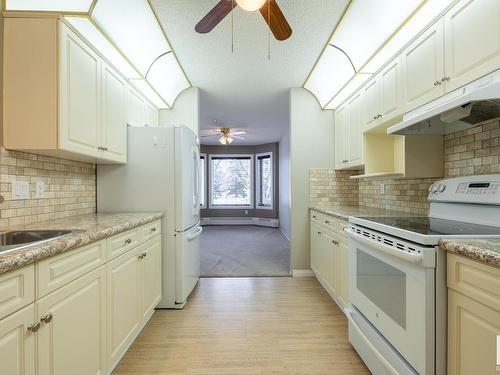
14	240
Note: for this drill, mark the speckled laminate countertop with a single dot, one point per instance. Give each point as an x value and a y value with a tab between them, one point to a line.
486	251
94	227
343	212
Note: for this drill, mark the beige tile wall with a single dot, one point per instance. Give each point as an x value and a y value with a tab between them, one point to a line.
472	151
69	187
328	186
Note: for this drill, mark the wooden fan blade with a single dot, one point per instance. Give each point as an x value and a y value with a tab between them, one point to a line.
217	14
277	22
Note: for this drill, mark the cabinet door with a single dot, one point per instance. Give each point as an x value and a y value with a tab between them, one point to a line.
17	344
315	249
472	336
123	303
73	341
371	103
135	108
354	132
423	68
390	91
150	277
151	115
114	116
79	97
328	262
472	41
343	273
340	138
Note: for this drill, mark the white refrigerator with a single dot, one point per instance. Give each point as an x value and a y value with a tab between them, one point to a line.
161	174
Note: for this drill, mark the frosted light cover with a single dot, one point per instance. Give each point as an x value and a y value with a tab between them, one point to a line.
132	26
331	73
88	30
167	78
355	83
149	93
425	15
49	5
368	24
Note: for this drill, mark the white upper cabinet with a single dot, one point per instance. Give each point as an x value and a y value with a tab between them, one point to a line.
472	41
114	115
423	68
135	108
151	115
354	132
371	103
340	137
79	82
390	91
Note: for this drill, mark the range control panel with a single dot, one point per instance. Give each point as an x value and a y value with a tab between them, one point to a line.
471	189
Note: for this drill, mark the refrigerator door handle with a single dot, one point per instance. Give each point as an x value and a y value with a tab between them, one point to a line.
196	234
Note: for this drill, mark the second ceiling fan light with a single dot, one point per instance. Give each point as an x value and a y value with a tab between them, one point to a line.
250	5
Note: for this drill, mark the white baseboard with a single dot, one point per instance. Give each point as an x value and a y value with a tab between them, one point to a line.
262	222
302	273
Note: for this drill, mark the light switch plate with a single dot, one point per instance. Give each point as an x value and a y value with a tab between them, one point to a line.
20	190
382	188
39	189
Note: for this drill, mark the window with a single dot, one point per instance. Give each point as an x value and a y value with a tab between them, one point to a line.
264	184
231	181
203	176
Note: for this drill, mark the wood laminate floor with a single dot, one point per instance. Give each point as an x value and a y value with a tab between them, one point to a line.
247	326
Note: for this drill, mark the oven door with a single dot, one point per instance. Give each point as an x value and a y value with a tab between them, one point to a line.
395	293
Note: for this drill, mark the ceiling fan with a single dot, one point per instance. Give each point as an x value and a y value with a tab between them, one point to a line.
268	8
227	135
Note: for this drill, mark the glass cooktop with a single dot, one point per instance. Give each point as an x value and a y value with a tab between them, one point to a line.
431	226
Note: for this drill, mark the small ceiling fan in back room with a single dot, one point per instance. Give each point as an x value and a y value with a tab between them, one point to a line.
269	9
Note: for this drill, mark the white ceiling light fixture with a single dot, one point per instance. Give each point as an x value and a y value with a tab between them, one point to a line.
89	31
250	5
150	93
77	6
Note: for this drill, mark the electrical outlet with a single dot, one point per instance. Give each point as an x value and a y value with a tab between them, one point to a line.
381	188
39	189
20	190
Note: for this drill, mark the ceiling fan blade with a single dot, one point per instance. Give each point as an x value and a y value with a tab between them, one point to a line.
236	133
211	135
277	21
217	14
237	137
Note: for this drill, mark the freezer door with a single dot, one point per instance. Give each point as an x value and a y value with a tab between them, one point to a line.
187	262
187	176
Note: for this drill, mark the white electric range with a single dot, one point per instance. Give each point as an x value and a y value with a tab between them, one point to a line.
397	275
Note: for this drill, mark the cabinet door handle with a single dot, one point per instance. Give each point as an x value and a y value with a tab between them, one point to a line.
105	148
319	233
153	229
345	161
314	216
445	79
335	242
327	222
437	83
34	327
128	241
47	318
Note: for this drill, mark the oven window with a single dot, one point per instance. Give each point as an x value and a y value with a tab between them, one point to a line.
382	284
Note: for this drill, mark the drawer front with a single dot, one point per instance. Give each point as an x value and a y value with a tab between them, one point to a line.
17	289
316	217
475	280
150	230
123	242
59	270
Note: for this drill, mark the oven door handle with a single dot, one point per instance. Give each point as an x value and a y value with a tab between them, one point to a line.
412	258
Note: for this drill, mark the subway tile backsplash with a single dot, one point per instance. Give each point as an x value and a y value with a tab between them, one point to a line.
69	187
468	152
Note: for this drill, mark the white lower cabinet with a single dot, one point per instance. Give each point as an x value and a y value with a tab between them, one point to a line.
17	343
329	261
83	323
72	336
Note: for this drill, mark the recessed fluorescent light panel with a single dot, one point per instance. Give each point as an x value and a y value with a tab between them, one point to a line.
167	78
132	26
90	32
149	93
331	73
49	5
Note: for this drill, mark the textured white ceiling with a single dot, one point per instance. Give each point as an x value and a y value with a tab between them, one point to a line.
244	89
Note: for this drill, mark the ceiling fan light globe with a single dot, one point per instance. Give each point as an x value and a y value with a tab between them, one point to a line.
251	5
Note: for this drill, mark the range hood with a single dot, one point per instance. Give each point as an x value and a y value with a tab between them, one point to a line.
458	110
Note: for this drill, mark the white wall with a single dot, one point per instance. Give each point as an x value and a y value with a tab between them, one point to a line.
186	111
311	146
284	184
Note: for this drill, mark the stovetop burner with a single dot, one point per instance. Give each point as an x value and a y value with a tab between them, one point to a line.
431	226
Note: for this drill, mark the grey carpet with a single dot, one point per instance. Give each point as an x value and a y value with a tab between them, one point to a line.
232	251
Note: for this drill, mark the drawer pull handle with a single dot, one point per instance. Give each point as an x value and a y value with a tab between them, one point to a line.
327	222
319	233
143	255
34	327
335	242
153	229
314	216
47	318
128	241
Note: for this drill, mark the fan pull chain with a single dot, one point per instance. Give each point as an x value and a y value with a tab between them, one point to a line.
269	31
232	28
